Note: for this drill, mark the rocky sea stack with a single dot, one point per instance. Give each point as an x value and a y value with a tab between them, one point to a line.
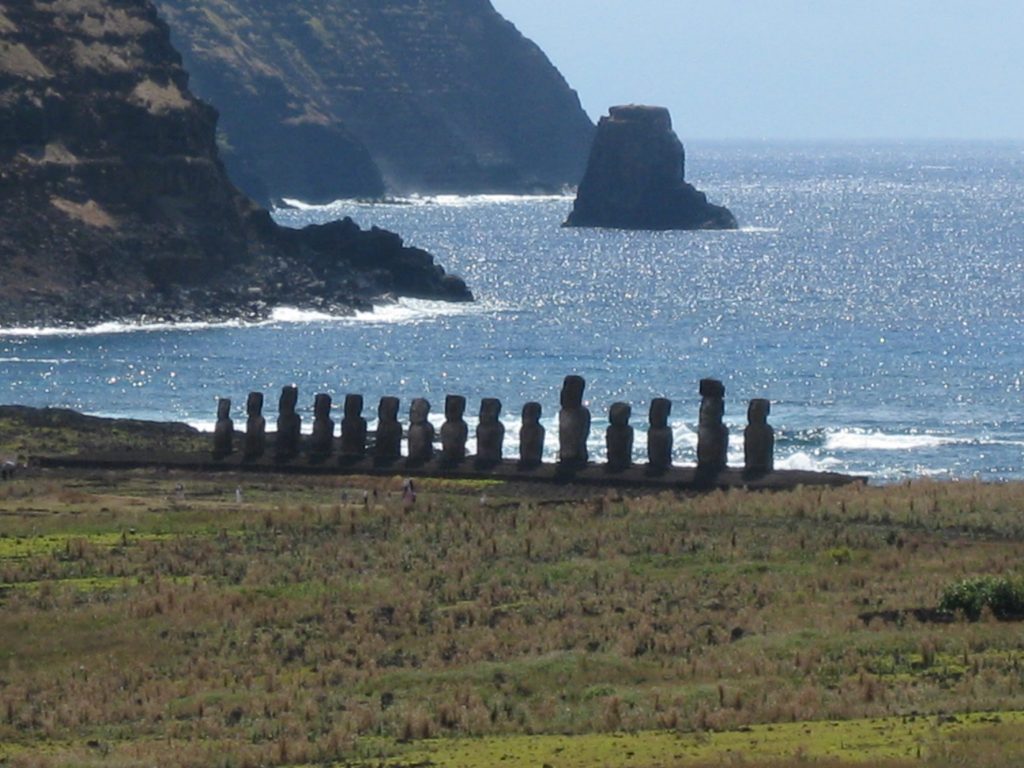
114	203
635	178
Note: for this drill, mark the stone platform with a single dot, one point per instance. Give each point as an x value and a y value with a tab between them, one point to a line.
685	479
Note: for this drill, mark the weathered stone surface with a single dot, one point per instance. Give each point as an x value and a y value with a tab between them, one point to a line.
388	441
635	178
289	425
421	433
619	437
759	439
490	434
445	95
255	427
353	428
115	204
573	424
454	431
224	431
531	436
659	436
712	434
321	444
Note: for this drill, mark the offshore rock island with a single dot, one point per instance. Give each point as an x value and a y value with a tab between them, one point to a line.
115	203
323	99
635	178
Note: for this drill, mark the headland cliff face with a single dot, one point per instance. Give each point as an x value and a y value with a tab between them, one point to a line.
114	203
322	99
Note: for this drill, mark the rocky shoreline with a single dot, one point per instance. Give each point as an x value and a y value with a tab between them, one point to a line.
115	204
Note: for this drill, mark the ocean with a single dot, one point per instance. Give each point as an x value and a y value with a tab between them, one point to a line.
873	294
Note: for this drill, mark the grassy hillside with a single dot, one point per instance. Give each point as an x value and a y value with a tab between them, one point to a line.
154	618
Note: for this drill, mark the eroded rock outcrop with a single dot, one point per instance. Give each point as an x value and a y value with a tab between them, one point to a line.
635	178
441	96
114	203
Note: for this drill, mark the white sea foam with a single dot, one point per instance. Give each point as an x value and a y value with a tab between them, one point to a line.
803	460
865	440
760	230
398	312
104	329
446	201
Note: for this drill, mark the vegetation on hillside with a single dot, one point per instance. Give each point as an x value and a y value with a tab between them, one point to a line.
153	617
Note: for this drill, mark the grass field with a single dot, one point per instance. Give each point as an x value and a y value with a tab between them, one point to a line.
150	618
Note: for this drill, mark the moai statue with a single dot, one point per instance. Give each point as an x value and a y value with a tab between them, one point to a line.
454	431
255	427
759	439
619	437
712	434
389	431
289	425
353	429
531	437
573	424
224	432
421	432
659	437
490	434
321	445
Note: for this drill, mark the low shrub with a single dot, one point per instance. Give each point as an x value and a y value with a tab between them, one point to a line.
1003	596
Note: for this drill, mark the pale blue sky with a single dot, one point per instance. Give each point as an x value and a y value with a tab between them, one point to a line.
794	69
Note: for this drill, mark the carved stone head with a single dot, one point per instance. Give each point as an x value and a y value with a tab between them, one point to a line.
572	392
619	414
531	413
353	406
254	404
387	410
490	409
419	410
224	408
289	399
322	406
757	412
661	409
454	407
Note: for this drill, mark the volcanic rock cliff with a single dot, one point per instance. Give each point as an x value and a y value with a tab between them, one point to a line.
113	202
635	178
444	96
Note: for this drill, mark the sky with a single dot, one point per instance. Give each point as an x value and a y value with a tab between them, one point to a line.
794	69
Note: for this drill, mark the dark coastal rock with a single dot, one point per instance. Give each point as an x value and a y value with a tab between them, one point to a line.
320	99
531	437
115	203
573	424
659	436
635	178
758	439
490	434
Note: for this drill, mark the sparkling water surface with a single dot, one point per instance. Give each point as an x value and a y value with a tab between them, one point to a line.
874	294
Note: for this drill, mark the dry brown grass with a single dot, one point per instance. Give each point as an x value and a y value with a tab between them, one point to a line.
301	626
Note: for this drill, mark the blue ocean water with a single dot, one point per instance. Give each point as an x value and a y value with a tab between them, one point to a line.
874	294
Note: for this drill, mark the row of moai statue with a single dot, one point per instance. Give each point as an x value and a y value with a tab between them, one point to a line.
573	432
